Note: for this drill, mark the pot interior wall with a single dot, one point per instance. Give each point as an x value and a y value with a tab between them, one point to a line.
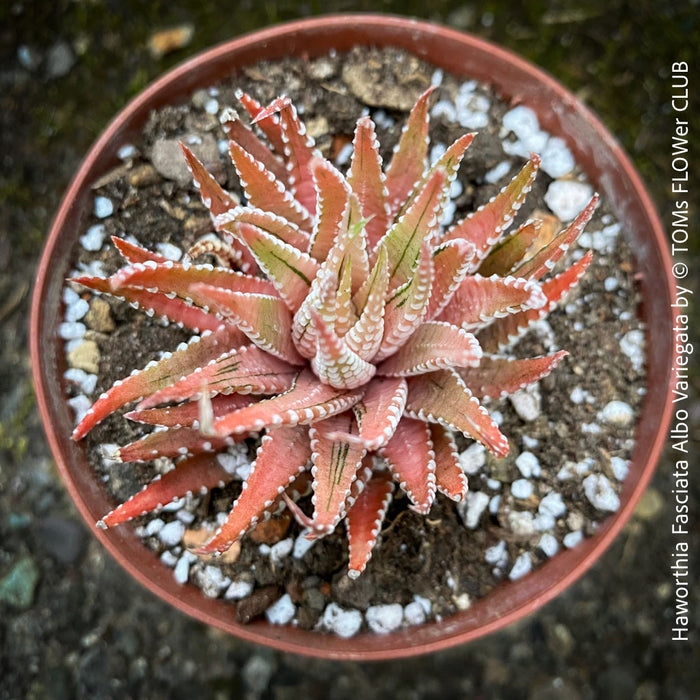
560	114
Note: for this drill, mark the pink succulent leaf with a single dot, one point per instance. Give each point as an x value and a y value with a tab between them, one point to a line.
486	225
362	477
194	475
365	337
442	397
510	251
264	191
266	320
364	521
229	253
496	377
289	270
178	280
354	246
155	304
407	307
134	253
306	402
268	123
411	459
479	300
405	238
283	454
187	414
380	410
244	370
366	179
505	331
172	442
449	476
267	221
215	198
544	260
335	465
434	345
451	261
322	298
410	156
157	375
247	139
334	362
332	207
345	313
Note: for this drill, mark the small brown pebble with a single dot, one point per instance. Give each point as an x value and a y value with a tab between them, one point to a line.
272	530
143	175
86	357
99	316
256	603
168	40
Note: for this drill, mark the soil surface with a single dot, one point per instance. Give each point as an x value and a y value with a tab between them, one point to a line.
72	623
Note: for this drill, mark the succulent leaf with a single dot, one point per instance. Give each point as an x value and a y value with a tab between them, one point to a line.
449	476
172	442
187	414
510	251
379	411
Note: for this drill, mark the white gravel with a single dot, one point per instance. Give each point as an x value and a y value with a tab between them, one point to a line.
171	534
548	544
281	611
94	237
617	414
473	458
552	504
600	492
566	198
521	566
103	208
414	614
527	403
383	619
521	522
472	507
620	467
528	464
632	344
497	555
238	590
571	539
344	623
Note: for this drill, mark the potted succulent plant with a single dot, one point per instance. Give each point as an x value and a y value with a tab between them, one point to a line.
349	329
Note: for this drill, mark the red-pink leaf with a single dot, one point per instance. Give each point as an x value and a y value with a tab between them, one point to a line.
133	253
442	397
451	262
449	476
364	521
411	459
158	375
195	475
215	198
269	124
187	414
267	221
173	442
283	453
380	410
507	253
332	208
496	377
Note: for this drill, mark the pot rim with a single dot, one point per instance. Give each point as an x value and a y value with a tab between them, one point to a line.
458	53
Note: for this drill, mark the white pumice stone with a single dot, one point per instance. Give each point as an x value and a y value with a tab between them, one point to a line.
620	467
213	581
171	533
494	504
169	251
76	310
556	158
81	405
154	527
632	344
343	158
611	284
497	555
413	614
182	570
617	414
521	488
281	550
103	207
497	172
212	106
127	151
571	539
600	492
521	522
281	611
168	558
185	516
528	464
521	566
344	623
473	458
383	619
567	198
548	544
544	522
472	507
493	484
238	590
552	504
71	331
301	546
522	121
94	237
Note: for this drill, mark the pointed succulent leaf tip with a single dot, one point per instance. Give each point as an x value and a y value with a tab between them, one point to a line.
496	377
172	442
264	191
335	363
187	414
335	465
410	157
451	262
193	475
449	476
442	397
282	455
290	270
215	198
268	123
306	402
157	375
435	345
544	261
134	253
155	304
367	181
510	251
380	410
411	459
487	224
505	331
245	370
265	319
364	521
479	300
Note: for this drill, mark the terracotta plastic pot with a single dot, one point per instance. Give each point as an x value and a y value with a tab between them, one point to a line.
560	114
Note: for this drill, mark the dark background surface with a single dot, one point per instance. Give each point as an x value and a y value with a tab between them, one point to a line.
80	627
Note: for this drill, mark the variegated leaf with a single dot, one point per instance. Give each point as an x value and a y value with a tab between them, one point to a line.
269	124
215	198
187	414
442	397
451	262
380	410
134	253
449	476
508	252
172	442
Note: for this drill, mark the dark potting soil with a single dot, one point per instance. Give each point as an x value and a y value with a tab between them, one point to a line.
557	435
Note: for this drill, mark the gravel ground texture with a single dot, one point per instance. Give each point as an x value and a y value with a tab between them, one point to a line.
72	623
